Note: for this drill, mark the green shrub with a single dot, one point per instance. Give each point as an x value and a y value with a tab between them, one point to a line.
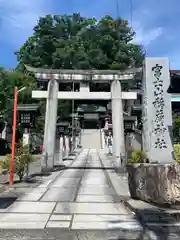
176	127
21	161
137	156
177	152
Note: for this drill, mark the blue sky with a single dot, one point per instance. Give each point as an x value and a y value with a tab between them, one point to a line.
155	22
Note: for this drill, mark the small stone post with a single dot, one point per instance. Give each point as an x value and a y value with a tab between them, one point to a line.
67	145
61	148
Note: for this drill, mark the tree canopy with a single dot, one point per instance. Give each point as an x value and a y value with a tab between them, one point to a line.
76	42
70	42
9	80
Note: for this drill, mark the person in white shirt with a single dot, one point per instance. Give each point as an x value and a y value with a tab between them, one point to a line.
109	143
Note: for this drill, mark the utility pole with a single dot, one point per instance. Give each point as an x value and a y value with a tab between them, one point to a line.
16	92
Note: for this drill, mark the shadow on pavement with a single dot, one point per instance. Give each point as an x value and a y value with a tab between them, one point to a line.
5	202
96	168
150	228
59	168
161	223
40	174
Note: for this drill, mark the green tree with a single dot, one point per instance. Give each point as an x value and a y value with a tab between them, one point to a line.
9	80
76	42
176	127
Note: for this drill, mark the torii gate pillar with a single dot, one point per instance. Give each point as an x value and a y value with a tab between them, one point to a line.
50	126
117	123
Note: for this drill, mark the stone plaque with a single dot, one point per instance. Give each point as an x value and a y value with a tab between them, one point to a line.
89	116
157	115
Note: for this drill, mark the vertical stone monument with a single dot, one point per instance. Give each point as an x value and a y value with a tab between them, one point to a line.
156	113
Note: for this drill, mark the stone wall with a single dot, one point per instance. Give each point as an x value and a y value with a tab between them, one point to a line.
155	183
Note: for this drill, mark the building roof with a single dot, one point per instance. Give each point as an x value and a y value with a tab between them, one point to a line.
175	71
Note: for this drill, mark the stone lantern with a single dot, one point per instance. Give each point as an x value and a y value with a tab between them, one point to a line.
129	123
26	117
62	128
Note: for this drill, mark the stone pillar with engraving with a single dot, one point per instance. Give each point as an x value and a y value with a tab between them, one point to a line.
156	113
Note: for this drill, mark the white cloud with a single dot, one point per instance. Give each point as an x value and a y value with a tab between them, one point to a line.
18	17
146	36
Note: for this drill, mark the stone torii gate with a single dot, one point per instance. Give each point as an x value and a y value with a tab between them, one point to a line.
84	77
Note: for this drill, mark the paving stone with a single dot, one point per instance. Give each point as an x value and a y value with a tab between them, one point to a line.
89	226
92	235
58	217
95	166
27	190
72	173
86	185
95	190
59	195
30	197
107	226
23	217
45	184
90	208
31	207
38	234
66	182
94	198
93	174
127	235
14	195
65	234
96	180
103	218
22	225
58	224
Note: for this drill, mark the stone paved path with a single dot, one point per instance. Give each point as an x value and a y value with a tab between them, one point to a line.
80	198
77	203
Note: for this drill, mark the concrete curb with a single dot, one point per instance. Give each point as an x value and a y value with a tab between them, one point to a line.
130	206
109	181
118	196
